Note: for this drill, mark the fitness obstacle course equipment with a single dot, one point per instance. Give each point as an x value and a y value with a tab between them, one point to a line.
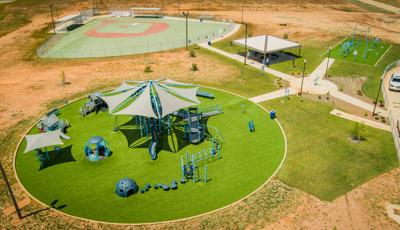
156	104
126	187
95	103
190	166
51	122
351	46
97	149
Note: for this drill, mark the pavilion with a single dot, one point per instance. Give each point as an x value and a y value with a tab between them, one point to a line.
269	49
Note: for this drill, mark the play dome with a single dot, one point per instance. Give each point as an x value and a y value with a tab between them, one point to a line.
126	187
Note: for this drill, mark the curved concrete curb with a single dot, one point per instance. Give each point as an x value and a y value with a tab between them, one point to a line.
160	222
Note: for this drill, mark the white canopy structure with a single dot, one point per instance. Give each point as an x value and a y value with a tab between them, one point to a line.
154	99
267	44
41	140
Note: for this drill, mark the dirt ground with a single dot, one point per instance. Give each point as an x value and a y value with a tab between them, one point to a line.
28	86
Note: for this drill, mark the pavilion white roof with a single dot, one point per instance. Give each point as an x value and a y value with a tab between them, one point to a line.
267	43
41	140
136	100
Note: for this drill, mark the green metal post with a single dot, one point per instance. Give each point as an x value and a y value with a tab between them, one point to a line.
205	173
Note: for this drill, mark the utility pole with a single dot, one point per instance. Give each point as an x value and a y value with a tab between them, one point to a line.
186	14
94	7
377	95
241	20
179	7
52	17
302	78
3	173
245	44
162	7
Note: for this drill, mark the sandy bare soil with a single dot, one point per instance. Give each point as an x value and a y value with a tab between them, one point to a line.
27	87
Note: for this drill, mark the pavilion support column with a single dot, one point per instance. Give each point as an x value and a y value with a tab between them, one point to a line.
300	50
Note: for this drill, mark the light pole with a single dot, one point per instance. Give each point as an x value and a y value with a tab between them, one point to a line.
241	20
93	7
302	77
162	6
245	43
377	95
3	173
327	62
179	7
186	14
52	17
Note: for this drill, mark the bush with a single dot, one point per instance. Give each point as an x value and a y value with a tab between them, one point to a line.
192	53
194	67
285	35
148	69
357	132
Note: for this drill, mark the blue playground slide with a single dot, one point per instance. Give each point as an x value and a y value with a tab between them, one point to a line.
152	150
153	144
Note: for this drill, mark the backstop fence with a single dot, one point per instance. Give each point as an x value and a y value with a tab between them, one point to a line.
45	50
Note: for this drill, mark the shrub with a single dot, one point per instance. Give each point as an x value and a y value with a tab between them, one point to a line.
194	67
285	35
357	132
192	53
148	69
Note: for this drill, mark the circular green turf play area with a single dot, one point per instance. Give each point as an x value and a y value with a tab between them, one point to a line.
86	189
112	36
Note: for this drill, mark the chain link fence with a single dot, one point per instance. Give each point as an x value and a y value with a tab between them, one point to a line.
45	50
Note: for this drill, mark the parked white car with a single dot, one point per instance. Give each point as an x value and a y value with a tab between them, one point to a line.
394	83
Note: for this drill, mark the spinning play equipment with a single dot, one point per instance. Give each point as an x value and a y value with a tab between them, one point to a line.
97	149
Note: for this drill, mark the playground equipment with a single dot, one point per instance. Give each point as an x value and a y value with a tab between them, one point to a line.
95	103
353	45
97	149
126	187
190	166
251	126
51	122
158	106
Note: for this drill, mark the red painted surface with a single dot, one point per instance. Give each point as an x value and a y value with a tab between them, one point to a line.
155	27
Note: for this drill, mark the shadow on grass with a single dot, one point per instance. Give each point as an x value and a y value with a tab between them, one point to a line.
52	205
64	155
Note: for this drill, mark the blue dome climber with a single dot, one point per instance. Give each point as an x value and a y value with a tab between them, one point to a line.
126	187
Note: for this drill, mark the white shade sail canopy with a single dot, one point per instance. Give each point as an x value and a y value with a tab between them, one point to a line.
267	43
41	140
154	99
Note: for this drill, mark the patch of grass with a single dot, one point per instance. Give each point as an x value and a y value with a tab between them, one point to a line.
311	52
395	3
249	82
19	13
342	68
78	183
227	45
321	158
368	7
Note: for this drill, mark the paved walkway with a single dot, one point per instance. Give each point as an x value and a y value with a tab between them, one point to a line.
314	83
381	5
275	94
361	120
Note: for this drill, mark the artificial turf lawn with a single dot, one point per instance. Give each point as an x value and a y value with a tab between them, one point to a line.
374	52
321	158
87	188
78	44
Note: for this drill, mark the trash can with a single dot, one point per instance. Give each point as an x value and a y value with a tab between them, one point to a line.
272	114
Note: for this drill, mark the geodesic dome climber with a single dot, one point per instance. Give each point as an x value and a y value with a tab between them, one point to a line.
126	187
97	149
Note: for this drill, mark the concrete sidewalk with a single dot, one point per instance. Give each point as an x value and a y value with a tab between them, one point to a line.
275	94
361	120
